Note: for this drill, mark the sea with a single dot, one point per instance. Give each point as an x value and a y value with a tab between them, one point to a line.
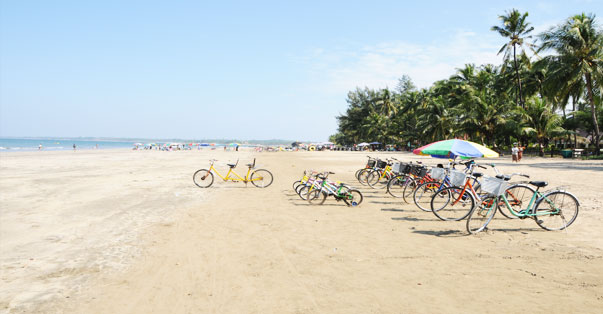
14	144
31	144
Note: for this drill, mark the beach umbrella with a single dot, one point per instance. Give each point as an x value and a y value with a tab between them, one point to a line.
363	144
137	144
234	144
327	143
375	143
204	144
455	148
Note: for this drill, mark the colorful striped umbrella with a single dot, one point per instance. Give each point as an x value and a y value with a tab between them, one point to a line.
455	148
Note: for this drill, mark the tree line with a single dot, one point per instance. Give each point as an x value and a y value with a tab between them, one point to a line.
548	88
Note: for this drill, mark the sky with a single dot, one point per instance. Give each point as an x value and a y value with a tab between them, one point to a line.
231	69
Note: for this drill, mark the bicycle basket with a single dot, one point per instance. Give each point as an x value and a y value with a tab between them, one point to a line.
493	186
370	164
417	170
381	164
438	173
422	173
457	178
397	167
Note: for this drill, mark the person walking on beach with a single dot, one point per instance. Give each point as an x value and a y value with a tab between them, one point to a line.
40	147
515	153
520	153
74	146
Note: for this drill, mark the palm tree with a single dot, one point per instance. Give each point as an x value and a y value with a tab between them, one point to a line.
579	60
436	120
541	121
515	27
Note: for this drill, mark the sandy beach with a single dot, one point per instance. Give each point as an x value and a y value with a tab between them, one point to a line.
120	231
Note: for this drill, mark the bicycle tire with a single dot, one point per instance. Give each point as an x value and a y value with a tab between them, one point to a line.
296	184
373	180
302	191
203	178
517	195
264	180
423	194
572	206
358	172
481	215
450	205
409	190
317	197
395	186
356	198
363	176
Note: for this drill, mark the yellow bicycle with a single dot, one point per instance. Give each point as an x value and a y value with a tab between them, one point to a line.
261	178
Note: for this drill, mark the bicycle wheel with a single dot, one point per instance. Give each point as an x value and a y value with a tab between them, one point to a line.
296	184
353	198
203	178
409	188
303	192
482	214
556	210
423	194
374	180
395	186
357	174
452	204
363	176
261	178
518	196
317	197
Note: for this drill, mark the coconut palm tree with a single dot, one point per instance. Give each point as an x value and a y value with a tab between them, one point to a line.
579	61
541	122
515	27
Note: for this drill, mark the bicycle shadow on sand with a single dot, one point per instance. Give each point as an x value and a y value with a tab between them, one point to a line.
442	233
414	219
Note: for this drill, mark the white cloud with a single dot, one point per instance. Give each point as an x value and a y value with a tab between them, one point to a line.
341	70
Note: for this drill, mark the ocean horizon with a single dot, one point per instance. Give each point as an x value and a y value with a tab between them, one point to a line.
8	144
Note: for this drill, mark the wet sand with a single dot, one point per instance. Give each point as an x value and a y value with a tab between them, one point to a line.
128	232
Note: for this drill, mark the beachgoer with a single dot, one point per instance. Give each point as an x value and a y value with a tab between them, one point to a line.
74	147
520	153
40	147
515	153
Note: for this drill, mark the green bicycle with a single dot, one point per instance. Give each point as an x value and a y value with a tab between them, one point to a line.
552	210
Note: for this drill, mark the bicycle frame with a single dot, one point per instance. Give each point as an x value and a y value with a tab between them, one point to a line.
469	185
228	174
529	211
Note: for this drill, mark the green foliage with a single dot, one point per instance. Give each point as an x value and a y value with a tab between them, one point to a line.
479	103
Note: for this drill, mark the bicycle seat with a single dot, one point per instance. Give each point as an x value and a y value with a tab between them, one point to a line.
231	165
250	165
477	174
539	184
504	177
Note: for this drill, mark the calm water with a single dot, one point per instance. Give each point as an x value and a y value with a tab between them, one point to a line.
24	144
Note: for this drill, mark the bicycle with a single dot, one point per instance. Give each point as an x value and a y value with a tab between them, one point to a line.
369	164
542	206
424	192
379	178
260	178
318	195
452	203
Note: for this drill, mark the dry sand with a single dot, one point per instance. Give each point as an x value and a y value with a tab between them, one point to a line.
128	232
